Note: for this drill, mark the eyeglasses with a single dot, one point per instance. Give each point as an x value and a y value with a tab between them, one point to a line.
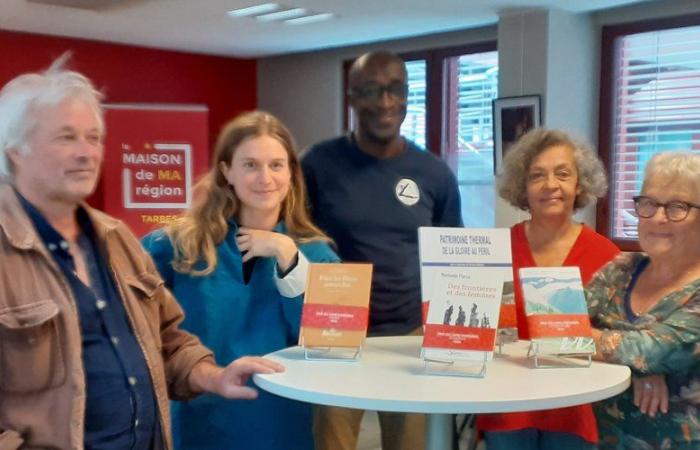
675	210
375	91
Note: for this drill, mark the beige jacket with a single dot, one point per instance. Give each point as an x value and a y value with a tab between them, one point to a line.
42	387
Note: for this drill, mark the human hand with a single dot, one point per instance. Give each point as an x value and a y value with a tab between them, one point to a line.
651	394
254	243
230	381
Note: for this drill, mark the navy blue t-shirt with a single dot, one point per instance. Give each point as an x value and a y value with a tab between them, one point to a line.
372	209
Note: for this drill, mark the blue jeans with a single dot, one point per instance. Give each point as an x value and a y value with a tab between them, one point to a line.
533	439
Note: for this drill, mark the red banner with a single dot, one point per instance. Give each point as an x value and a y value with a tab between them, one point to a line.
459	337
559	325
153	156
340	317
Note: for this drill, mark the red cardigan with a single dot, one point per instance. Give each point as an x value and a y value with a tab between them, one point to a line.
590	252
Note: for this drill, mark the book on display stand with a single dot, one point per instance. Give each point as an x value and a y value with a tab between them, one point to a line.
336	311
463	272
557	317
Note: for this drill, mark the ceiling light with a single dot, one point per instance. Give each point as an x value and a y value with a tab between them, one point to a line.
254	10
282	15
309	19
82	4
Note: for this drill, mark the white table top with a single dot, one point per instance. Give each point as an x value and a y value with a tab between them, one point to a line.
390	377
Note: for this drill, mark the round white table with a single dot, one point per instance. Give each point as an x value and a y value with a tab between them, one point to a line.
390	377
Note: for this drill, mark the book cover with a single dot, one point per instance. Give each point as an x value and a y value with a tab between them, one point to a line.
478	258
556	311
463	315
336	305
486	248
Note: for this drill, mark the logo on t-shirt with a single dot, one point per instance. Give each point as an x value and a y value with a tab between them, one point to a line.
407	191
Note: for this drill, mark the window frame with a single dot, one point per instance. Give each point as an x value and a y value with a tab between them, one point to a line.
610	34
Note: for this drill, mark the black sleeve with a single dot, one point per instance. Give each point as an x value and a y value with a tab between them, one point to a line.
448	208
292	266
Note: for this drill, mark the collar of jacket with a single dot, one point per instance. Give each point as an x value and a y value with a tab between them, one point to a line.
19	229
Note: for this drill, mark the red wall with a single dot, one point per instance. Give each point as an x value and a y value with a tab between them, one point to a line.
132	74
129	74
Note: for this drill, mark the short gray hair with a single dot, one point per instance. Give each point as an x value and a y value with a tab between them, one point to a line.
674	167
512	184
20	97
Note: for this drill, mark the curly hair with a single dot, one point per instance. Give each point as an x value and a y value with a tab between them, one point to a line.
512	183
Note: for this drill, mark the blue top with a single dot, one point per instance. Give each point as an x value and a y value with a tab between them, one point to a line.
236	319
120	406
629	312
372	209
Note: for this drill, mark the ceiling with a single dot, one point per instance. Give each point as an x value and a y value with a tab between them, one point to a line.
202	26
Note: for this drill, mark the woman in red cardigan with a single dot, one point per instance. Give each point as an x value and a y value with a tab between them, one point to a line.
550	175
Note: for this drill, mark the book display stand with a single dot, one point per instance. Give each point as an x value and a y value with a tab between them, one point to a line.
455	367
337	354
548	356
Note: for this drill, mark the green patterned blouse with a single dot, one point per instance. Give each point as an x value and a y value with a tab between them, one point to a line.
664	340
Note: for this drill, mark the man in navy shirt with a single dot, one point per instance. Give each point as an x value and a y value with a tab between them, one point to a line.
90	345
370	191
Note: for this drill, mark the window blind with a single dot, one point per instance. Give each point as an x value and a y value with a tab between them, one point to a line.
471	84
471	130
413	127
656	108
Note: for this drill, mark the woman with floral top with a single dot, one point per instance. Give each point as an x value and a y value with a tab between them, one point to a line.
645	308
550	175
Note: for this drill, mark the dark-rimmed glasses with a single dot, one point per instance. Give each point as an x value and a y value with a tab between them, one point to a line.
675	210
375	92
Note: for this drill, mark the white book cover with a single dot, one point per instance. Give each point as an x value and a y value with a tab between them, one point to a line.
556	310
463	316
458	265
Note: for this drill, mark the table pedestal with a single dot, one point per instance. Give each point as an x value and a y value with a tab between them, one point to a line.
438	432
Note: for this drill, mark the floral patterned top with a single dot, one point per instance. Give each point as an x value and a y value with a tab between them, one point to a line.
664	340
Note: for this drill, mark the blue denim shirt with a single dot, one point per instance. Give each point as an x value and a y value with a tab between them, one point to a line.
120	405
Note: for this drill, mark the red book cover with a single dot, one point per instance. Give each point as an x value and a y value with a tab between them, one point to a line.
336	305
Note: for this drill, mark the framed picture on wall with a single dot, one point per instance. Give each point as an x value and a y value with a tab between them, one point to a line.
512	117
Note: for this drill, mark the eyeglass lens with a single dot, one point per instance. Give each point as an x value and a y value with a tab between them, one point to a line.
647	207
375	91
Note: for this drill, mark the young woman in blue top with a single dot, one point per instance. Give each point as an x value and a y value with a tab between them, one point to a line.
237	263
